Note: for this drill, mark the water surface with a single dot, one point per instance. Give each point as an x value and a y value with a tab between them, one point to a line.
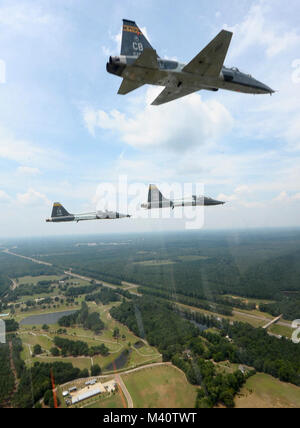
51	318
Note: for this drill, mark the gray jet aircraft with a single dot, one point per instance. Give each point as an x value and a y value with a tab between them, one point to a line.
139	64
60	215
157	200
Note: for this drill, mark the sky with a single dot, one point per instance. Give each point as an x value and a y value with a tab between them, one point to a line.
65	134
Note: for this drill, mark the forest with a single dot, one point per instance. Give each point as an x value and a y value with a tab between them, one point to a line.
6	375
259	264
289	307
157	322
105	296
35	381
77	348
167	328
83	317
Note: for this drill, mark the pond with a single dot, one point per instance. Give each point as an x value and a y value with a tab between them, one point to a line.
51	318
139	344
120	362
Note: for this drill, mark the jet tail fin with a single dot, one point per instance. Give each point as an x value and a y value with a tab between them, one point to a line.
155	195
133	40
59	211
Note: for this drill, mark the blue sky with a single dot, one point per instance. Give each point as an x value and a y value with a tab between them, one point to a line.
64	130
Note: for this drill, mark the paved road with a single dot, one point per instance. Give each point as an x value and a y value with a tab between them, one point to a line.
103	377
125	391
285	324
27	258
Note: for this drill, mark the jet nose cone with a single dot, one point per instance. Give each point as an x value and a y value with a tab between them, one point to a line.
267	89
215	202
218	202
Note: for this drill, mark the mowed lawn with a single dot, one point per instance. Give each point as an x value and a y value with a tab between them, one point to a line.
113	402
160	387
264	391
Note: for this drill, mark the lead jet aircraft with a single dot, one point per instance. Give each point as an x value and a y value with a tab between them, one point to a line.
139	64
60	215
157	200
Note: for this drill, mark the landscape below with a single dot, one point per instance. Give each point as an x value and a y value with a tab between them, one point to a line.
187	316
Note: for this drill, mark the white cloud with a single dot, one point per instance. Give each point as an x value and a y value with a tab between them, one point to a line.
23	151
257	29
242	189
26	170
22	18
32	197
286	197
180	125
4	198
227	198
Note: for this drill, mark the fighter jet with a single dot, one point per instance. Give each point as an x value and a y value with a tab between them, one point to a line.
139	64
157	200
60	215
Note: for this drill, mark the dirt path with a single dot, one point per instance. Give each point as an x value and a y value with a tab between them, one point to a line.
14	284
125	391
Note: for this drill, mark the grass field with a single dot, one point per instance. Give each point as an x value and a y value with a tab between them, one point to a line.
79	362
192	258
112	402
281	330
155	263
36	279
32	335
160	387
264	391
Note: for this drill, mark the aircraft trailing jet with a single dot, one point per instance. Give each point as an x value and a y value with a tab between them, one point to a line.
60	215
157	200
139	64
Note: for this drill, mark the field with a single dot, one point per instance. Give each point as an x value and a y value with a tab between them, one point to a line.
281	330
155	263
160	387
263	391
250	317
113	402
36	279
32	335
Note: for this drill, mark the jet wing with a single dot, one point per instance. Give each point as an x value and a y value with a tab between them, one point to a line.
171	94
147	59
128	86
210	60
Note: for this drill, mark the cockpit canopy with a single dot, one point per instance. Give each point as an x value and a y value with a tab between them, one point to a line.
237	70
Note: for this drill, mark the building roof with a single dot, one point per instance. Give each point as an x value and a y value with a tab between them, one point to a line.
92	390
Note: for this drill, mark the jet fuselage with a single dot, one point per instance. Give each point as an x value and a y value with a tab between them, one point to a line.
99	215
170	74
195	201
